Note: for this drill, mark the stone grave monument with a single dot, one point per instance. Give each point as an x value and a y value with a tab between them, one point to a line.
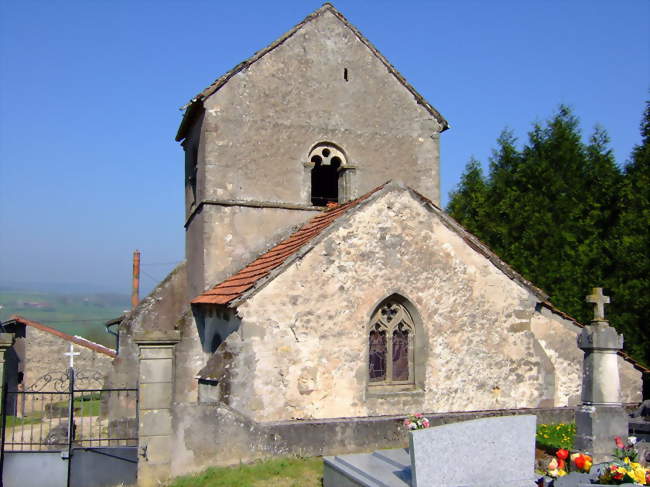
489	452
600	415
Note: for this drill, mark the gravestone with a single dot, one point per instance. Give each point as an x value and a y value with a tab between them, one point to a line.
600	416
489	452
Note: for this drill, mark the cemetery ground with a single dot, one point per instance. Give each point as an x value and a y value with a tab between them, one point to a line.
308	472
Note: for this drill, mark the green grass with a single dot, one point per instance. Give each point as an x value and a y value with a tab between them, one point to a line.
87	406
552	437
279	472
16	421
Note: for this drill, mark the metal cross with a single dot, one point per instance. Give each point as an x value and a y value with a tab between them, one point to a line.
72	354
600	300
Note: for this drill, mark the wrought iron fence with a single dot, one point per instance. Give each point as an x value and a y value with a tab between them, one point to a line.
67	416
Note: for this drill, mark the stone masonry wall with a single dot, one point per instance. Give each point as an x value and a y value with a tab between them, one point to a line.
301	350
44	354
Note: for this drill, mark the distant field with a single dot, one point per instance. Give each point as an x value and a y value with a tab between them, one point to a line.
75	314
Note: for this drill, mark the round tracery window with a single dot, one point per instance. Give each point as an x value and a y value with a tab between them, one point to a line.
327	155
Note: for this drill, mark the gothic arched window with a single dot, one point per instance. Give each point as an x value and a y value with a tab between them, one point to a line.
327	165
391	345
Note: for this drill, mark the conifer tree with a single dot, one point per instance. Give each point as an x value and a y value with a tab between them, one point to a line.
563	215
470	205
630	246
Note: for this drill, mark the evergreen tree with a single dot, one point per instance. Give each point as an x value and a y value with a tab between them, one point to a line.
630	245
562	214
468	203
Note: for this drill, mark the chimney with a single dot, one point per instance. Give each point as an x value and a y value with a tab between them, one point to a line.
135	293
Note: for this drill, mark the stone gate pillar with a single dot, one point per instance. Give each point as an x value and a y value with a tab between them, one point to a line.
156	378
6	341
600	416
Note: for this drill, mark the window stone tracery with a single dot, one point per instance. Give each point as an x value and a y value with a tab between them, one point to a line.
391	345
328	164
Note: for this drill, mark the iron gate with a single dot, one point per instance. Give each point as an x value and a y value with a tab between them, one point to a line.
65	432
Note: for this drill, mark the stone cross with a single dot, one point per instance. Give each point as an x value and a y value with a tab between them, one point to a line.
71	354
600	300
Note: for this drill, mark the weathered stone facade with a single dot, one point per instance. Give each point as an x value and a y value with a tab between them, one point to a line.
301	345
280	351
249	141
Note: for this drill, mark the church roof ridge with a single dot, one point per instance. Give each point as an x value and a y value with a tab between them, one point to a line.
78	340
190	106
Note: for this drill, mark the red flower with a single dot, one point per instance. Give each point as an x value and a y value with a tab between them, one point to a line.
561	464
562	454
619	442
580	462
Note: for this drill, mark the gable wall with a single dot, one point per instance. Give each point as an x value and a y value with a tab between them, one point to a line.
259	127
303	337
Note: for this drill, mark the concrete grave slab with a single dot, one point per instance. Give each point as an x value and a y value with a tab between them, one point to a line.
489	452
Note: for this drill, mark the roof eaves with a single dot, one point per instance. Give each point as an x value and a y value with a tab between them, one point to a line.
81	341
191	106
476	244
637	365
444	125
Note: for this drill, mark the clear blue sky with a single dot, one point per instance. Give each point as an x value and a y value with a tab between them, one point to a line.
90	92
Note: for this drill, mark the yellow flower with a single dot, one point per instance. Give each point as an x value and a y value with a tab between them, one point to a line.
637	473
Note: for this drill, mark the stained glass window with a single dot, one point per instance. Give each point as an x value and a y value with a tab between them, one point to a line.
377	355
400	355
391	345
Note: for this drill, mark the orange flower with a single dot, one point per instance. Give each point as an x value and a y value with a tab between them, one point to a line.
562	454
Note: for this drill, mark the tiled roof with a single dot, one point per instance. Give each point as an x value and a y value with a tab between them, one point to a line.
219	82
236	285
81	341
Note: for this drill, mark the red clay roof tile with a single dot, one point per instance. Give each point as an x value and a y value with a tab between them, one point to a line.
240	282
74	339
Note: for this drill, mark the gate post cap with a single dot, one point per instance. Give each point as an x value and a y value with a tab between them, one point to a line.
6	340
157	337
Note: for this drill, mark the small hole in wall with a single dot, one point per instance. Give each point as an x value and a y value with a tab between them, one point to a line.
345	74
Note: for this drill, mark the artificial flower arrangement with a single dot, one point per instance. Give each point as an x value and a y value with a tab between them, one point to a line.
563	463
416	422
625	469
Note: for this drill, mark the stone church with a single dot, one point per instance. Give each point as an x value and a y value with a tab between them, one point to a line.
325	293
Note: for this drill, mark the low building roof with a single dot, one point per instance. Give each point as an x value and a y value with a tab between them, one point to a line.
77	340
